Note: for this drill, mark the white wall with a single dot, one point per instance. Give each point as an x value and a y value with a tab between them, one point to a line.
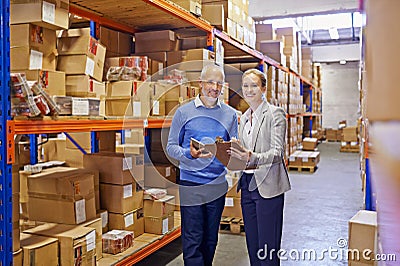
335	53
279	8
340	95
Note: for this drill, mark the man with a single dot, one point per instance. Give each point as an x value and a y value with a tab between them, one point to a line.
202	177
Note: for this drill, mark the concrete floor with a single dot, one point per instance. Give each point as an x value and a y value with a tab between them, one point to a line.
317	210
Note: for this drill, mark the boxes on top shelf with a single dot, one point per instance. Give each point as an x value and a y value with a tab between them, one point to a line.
264	32
80	53
155	41
117	43
84	86
53	82
214	13
53	15
193	6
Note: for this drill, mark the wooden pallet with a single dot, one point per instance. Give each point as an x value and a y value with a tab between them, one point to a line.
332	140
355	149
231	225
310	169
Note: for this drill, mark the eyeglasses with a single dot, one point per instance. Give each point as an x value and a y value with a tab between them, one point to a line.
212	83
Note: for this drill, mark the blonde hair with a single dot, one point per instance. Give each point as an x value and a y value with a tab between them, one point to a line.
258	73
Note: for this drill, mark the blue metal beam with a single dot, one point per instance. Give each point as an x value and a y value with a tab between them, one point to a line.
6	246
94	147
33	145
75	143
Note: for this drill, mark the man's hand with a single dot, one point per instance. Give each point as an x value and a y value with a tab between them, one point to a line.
198	153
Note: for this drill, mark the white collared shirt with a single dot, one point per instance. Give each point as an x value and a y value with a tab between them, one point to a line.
198	102
252	120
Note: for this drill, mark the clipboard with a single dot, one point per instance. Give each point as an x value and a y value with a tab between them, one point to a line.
219	150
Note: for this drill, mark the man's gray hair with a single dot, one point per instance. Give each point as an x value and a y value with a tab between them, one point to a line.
212	67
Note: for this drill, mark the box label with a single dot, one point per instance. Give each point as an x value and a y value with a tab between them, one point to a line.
156	107
37	34
165	226
80	211
230	181
229	202
160	69
127	163
128	220
137	106
304	159
167	171
104	219
80	106
145	123
89	66
128	133
48	12
93	46
128	191
353	143
91	241
35	60
292	159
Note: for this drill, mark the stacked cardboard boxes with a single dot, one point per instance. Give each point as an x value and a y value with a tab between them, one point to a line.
159	215
120	191
304	159
306	63
193	6
232	201
231	16
290	38
295	100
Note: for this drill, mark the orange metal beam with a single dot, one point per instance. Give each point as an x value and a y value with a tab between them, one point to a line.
181	13
52	126
10	142
153	247
74	9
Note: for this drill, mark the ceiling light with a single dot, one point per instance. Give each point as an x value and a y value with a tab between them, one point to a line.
333	32
342	62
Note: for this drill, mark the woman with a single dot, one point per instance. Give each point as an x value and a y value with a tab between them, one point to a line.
262	134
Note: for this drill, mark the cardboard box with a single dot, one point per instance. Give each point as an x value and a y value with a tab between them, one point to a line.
121	198
16	245
350	134
159	225
29	58
72	240
155	41
84	139
131	221
232	187
190	60
116	42
96	224
103	214
39	250
159	175
239	33
271	47
53	82
27	37
69	194
130	148
193	6
15	207
214	14
232	208
159	208
17	258
363	235
83	64
84	86
197	42
116	168
264	32
54	15
117	241
309	144
231	28
295	159
309	158
124	88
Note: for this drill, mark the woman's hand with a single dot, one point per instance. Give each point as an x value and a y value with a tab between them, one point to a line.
242	154
199	153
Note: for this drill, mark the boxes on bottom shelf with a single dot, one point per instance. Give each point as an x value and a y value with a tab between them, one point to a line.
160	207
131	221
232	208
17	257
39	250
159	225
363	236
116	168
121	198
71	239
117	241
304	158
97	225
69	193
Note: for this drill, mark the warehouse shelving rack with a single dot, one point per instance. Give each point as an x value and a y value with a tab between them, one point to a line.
154	14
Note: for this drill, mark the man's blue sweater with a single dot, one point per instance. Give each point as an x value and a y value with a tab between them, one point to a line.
194	120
